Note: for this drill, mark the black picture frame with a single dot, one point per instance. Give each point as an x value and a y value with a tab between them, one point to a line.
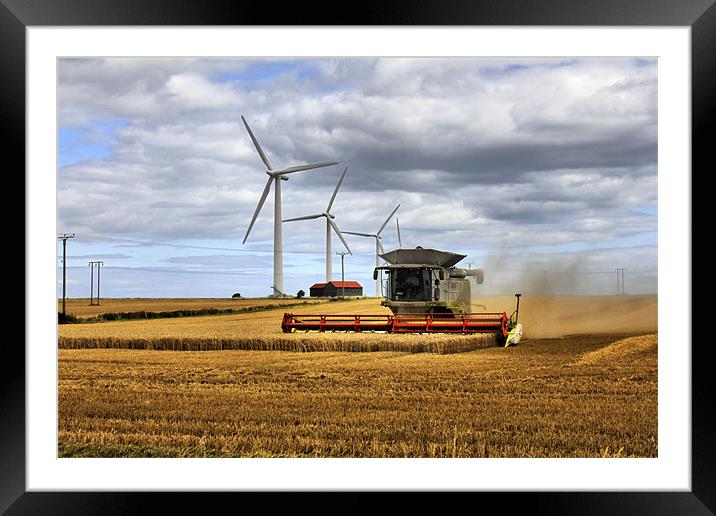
699	15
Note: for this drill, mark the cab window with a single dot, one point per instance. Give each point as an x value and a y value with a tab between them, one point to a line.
410	284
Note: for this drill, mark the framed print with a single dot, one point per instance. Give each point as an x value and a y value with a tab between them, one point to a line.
508	194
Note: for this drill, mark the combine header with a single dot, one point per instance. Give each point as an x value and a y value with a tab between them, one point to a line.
426	294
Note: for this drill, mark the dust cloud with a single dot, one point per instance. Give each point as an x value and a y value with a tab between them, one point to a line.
561	295
557	316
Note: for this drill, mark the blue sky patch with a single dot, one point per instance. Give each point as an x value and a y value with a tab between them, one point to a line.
643	62
496	71
89	141
515	67
648	210
264	71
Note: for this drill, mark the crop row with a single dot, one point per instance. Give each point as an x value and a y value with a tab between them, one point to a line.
291	342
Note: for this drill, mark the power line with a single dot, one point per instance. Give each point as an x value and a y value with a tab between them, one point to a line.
257	273
562	272
189	271
100	238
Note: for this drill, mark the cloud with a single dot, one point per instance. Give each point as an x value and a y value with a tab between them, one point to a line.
479	152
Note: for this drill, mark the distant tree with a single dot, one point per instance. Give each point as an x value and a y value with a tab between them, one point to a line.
66	318
236	296
300	294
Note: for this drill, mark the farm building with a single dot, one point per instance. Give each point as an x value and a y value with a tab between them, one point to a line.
337	288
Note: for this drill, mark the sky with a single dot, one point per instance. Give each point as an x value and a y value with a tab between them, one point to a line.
542	171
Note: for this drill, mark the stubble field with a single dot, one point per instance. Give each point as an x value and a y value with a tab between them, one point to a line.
568	390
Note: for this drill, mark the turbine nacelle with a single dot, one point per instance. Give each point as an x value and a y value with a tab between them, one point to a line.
298	168
376	235
274	175
329	217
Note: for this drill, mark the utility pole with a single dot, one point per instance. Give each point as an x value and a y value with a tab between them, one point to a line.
620	282
99	268
64	238
343	277
92	264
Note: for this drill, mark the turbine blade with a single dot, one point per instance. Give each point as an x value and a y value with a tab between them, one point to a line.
358	234
340	235
307	217
256	144
258	207
333	197
298	168
388	219
380	246
400	241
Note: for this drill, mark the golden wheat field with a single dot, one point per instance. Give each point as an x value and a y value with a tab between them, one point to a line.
576	397
80	307
542	317
257	331
582	383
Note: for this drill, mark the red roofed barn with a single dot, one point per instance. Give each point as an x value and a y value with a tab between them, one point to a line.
337	288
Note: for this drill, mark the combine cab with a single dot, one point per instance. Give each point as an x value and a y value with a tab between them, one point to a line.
426	294
426	281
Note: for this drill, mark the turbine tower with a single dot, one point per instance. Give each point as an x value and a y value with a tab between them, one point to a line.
330	224
275	176
378	247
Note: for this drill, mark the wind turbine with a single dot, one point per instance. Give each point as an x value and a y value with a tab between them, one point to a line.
378	246
400	240
330	224
275	176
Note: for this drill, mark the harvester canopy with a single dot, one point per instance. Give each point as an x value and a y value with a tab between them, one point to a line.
422	256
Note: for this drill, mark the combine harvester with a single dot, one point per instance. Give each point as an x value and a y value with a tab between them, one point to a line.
426	294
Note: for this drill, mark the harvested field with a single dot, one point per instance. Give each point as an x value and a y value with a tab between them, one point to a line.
542	317
82	309
633	349
581	396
